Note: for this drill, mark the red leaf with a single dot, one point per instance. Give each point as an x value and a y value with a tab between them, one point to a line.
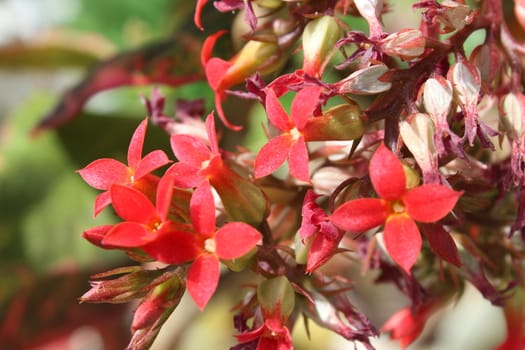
136	144
360	215
402	240
190	150
441	243
104	172
150	162
132	205
202	279
202	210
127	235
272	155
304	105
429	203
173	245
276	114
298	160
235	239
386	174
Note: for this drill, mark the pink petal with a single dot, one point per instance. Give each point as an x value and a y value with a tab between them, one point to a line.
276	114
441	243
104	172
136	144
272	155
132	205
216	69
202	210
360	215
429	203
101	201
235	239
304	105
402	240
202	279
127	235
387	175
298	160
173	245
150	162
190	150
184	175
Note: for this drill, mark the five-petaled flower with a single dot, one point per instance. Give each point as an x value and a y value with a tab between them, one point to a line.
398	208
291	143
103	173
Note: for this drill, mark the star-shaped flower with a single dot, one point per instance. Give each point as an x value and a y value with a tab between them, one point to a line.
398	208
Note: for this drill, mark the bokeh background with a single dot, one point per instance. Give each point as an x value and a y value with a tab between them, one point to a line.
48	46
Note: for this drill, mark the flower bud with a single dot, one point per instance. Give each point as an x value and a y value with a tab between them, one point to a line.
465	79
406	44
370	10
269	4
319	38
364	81
437	96
339	123
455	15
514	112
276	295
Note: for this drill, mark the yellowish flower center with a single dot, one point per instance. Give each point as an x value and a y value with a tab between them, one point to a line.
296	134
209	245
397	207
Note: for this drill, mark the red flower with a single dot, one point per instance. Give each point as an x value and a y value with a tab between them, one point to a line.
406	325
103	173
398	208
291	143
197	161
272	335
231	241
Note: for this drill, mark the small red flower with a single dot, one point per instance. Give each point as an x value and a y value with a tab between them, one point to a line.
103	173
406	325
398	208
290	144
231	241
271	335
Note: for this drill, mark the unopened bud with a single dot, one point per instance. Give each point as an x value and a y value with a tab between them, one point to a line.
319	38
455	15
276	294
342	122
365	81
406	44
370	10
465	79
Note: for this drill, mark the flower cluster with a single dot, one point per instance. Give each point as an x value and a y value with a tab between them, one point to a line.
410	161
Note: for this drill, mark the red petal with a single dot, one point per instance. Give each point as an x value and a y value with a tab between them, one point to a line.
429	203
202	210
212	134
102	173
172	245
298	160
235	239
198	13
321	250
276	114
272	155
132	205
164	195
402	240
360	215
95	235
184	175
150	162
127	235
190	150
216	69
441	243
219	97
209	43
304	105
203	278
136	144
387	175
101	201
